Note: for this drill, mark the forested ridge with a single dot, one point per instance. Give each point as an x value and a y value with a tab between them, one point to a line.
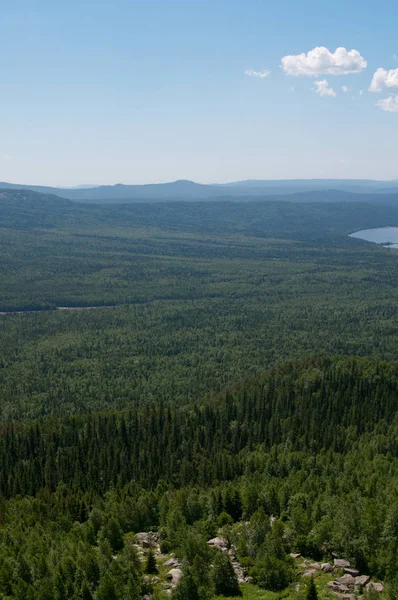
242	384
314	444
312	406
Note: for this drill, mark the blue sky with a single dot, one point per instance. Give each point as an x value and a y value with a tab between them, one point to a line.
155	90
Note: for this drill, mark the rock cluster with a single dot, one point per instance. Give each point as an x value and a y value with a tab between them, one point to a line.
347	585
351	581
149	539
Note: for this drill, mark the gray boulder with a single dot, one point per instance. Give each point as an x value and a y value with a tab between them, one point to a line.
174	575
362	580
336	587
347	580
218	542
352	572
341	563
172	562
147	539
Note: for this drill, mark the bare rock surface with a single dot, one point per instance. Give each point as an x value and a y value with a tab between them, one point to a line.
148	539
362	580
337	587
174	575
353	572
341	563
346	579
326	567
218	542
295	555
172	562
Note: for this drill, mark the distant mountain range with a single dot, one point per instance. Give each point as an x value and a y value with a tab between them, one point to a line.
189	190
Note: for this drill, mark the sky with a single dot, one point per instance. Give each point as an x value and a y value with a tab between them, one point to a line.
146	91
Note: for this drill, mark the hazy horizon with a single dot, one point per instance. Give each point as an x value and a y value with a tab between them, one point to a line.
241	181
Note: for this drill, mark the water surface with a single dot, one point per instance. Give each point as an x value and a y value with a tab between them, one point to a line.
387	236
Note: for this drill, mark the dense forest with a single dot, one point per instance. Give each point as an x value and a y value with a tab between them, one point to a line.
219	370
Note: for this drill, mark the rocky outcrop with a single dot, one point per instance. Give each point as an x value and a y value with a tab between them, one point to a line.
148	539
218	542
326	567
344	586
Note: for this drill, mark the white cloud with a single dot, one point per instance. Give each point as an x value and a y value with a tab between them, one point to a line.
345	89
361	92
322	88
384	79
320	61
6	156
395	57
389	104
261	74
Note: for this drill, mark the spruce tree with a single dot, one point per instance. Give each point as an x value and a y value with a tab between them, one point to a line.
311	594
150	565
186	589
223	575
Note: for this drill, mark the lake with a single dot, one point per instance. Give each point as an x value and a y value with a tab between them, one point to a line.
387	236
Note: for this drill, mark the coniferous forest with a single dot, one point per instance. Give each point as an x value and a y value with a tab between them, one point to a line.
221	371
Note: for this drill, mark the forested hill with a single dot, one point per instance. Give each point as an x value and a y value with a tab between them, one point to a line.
189	190
318	405
310	447
306	216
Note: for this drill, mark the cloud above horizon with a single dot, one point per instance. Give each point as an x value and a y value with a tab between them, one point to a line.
261	74
389	104
384	79
322	88
321	61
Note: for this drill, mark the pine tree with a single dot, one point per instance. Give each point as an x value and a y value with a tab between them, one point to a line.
113	533
106	589
132	589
